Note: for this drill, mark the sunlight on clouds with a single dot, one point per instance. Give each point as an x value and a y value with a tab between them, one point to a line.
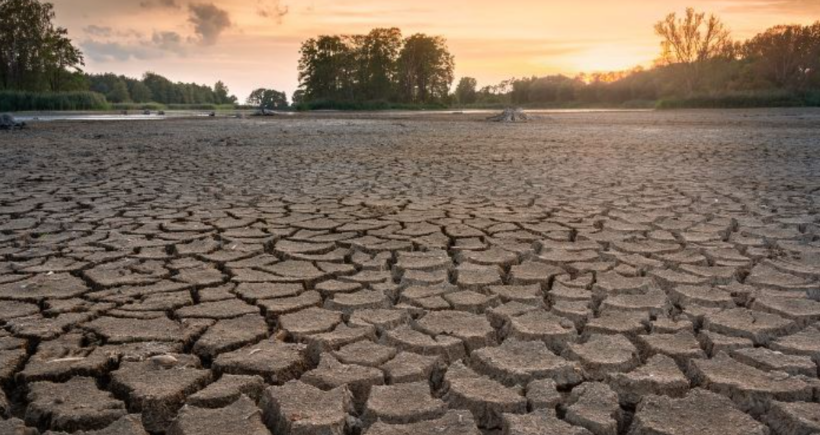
256	42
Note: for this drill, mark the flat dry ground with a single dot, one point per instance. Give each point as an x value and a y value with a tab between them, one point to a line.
612	273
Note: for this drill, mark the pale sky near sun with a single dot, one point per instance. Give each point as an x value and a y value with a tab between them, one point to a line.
255	43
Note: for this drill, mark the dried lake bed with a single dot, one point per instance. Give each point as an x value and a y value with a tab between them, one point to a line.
600	273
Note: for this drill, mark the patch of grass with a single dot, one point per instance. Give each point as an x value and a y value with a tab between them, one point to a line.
743	100
366	106
158	106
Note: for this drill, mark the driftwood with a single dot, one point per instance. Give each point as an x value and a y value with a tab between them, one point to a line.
511	115
7	122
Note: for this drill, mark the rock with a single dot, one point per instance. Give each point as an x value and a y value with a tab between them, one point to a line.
594	405
157	392
7	122
484	397
75	405
540	422
520	362
452	423
793	418
660	376
751	389
296	408
402	404
241	417
227	390
700	412
511	115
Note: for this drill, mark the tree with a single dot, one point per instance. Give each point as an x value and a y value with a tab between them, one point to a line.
425	69
466	90
119	93
691	41
786	56
139	92
298	97
377	55
34	55
268	99
221	94
327	68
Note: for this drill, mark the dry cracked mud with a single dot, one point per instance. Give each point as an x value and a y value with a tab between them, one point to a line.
612	273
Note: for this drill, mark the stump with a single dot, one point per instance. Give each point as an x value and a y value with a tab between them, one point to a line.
511	115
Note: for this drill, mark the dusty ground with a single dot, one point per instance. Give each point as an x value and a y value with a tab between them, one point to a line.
605	273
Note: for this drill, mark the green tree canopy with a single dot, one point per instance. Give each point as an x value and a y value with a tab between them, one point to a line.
34	54
466	90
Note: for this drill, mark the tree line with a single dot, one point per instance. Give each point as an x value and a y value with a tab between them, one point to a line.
700	64
157	89
379	66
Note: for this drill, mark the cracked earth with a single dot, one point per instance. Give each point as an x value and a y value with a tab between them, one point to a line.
597	273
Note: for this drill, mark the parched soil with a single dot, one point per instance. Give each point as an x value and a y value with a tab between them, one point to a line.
583	273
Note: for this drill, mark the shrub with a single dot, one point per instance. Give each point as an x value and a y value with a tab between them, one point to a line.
743	100
18	101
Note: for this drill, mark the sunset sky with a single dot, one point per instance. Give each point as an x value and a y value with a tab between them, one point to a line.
255	43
